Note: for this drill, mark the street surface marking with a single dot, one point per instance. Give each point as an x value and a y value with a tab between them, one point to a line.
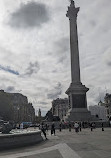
63	148
67	152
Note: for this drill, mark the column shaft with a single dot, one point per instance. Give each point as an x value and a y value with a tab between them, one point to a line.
75	68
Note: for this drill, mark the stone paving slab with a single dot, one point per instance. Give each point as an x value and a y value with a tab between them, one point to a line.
65	144
82	147
95	154
50	154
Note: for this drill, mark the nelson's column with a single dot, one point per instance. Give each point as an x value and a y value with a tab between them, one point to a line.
76	91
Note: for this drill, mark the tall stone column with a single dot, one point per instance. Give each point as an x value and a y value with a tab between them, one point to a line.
76	91
75	68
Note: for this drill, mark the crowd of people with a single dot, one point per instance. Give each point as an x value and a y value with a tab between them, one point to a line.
77	126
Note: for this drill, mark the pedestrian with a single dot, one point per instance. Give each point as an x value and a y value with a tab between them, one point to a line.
69	127
83	124
60	127
17	126
94	125
53	128
102	126
21	126
110	123
46	127
91	126
80	126
43	130
76	126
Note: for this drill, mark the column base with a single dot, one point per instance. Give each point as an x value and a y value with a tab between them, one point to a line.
78	114
77	88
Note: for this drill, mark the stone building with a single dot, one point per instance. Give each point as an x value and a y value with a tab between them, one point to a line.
98	111
15	106
107	101
60	107
39	113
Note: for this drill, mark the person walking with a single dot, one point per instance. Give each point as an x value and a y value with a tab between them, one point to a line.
53	128
43	130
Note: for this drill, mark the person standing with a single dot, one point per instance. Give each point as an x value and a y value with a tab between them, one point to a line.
91	126
69	127
46	127
110	123
102	126
76	126
21	126
80	126
83	124
60	127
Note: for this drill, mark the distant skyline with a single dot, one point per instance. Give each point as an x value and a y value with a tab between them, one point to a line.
35	49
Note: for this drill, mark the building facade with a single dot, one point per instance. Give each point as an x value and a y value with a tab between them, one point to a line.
98	111
107	101
15	106
60	107
39	113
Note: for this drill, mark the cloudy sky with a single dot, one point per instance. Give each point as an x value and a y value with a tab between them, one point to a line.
35	52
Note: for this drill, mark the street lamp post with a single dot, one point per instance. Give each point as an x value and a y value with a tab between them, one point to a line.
18	114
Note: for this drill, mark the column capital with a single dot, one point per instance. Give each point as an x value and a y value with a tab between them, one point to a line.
72	10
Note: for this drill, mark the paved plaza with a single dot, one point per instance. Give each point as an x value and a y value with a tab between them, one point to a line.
85	144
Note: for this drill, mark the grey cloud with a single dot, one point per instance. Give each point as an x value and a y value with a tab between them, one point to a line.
10	89
32	68
62	59
32	14
95	94
55	92
93	23
90	86
43	112
62	45
99	97
42	102
8	69
54	71
109	63
62	50
107	56
42	107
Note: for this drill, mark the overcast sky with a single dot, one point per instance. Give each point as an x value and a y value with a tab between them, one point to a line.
35	52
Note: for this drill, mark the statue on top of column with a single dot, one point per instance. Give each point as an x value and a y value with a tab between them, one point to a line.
72	2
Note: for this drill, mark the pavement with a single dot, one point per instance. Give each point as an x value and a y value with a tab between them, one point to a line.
65	144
